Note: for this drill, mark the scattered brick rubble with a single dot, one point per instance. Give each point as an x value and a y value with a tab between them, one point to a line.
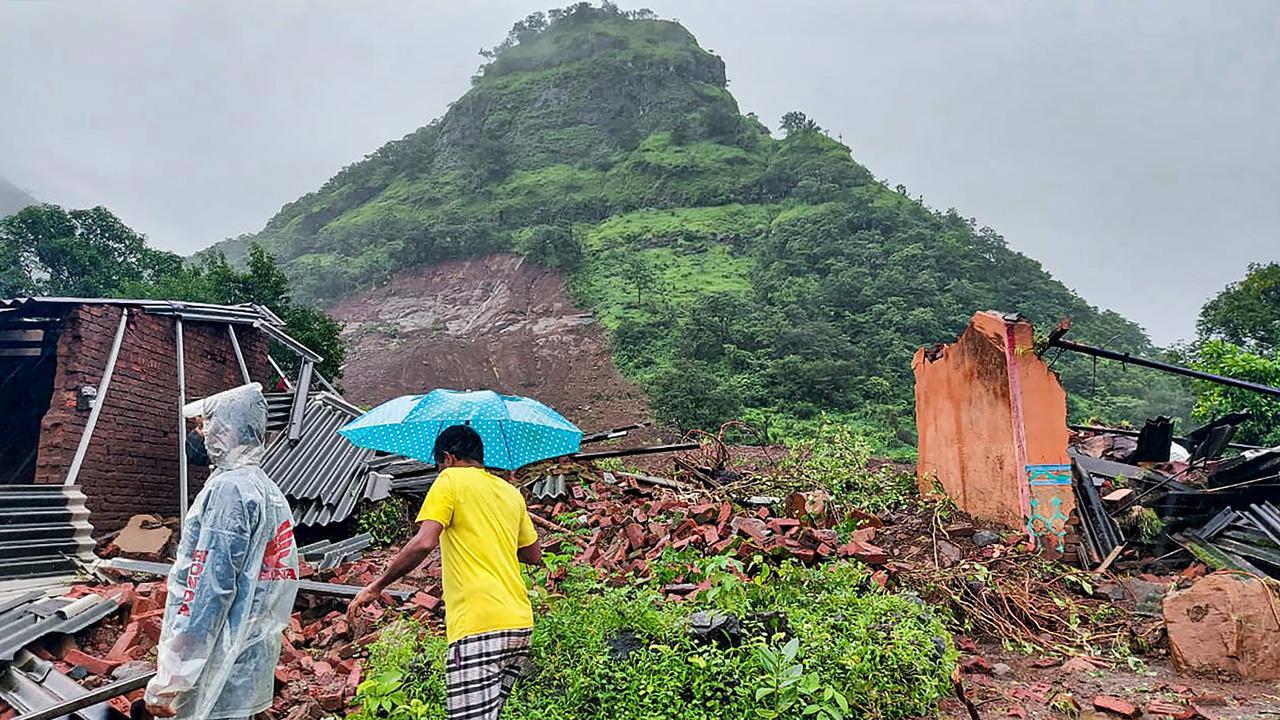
618	523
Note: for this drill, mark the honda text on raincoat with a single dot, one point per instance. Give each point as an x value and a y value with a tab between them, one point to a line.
232	588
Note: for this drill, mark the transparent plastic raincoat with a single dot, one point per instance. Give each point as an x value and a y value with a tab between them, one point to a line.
232	588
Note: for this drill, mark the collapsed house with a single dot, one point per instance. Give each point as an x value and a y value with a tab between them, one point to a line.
91	430
994	438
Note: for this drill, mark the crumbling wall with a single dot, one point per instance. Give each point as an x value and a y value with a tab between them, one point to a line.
132	461
991	419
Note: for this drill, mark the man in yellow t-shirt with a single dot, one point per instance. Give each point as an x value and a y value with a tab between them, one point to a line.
483	530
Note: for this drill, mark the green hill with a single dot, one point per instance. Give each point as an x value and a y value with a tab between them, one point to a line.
13	198
738	273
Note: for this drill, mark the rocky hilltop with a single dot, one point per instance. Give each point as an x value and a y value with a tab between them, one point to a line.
736	273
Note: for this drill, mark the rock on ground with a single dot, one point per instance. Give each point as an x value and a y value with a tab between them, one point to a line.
1225	623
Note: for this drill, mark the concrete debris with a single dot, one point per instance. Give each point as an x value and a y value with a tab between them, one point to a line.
1225	623
967	393
145	536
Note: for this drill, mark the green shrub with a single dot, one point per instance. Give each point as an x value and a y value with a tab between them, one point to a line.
838	459
387	521
627	654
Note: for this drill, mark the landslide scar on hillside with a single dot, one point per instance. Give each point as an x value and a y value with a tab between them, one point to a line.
499	322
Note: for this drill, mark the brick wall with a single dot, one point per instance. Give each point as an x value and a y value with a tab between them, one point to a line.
132	462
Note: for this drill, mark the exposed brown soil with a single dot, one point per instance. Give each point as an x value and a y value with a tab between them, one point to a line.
500	323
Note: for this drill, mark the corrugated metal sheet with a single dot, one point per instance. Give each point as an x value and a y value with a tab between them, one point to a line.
325	554
32	616
278	407
246	314
402	474
44	530
551	487
322	473
31	684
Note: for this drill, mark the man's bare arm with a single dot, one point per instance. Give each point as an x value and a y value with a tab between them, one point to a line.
530	554
411	556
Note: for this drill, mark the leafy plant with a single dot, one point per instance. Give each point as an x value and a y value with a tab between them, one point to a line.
840	460
384	696
386	520
786	690
628	650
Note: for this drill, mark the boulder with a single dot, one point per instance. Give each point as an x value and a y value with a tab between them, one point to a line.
1225	623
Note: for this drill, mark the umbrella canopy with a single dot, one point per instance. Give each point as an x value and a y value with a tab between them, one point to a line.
516	431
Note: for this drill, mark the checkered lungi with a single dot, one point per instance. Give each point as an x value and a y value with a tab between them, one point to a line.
480	671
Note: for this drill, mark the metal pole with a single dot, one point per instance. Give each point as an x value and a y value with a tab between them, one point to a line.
1166	367
182	421
681	447
279	371
327	385
235	345
99	401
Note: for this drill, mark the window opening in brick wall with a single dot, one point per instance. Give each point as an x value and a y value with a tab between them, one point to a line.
28	362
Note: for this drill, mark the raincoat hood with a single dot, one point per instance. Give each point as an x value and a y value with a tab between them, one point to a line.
235	426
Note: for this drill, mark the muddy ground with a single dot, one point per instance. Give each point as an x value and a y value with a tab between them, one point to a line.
1027	691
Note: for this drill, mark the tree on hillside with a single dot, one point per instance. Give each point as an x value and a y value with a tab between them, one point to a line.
689	394
796	122
262	282
47	250
1246	313
1240	337
642	275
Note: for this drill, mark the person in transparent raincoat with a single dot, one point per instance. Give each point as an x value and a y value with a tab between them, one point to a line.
232	588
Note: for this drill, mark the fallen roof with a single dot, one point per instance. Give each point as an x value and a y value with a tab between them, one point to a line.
29	617
38	690
322	473
245	312
257	316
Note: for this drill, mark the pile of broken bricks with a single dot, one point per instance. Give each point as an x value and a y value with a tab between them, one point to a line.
619	524
319	668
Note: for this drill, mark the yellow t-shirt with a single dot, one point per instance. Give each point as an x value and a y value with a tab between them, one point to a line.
485	521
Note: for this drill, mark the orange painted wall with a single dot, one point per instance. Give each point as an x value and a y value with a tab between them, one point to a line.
991	419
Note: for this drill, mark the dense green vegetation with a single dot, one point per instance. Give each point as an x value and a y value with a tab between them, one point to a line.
818	637
46	250
1240	337
739	273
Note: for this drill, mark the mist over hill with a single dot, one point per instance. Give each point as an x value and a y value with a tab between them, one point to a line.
13	198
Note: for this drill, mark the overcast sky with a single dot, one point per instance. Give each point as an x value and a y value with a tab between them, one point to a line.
1132	147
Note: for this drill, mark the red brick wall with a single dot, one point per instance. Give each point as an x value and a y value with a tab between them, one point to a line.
132	462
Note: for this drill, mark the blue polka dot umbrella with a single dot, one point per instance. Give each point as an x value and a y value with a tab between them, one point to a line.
516	431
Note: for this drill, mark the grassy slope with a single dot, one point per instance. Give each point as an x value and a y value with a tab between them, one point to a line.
619	134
